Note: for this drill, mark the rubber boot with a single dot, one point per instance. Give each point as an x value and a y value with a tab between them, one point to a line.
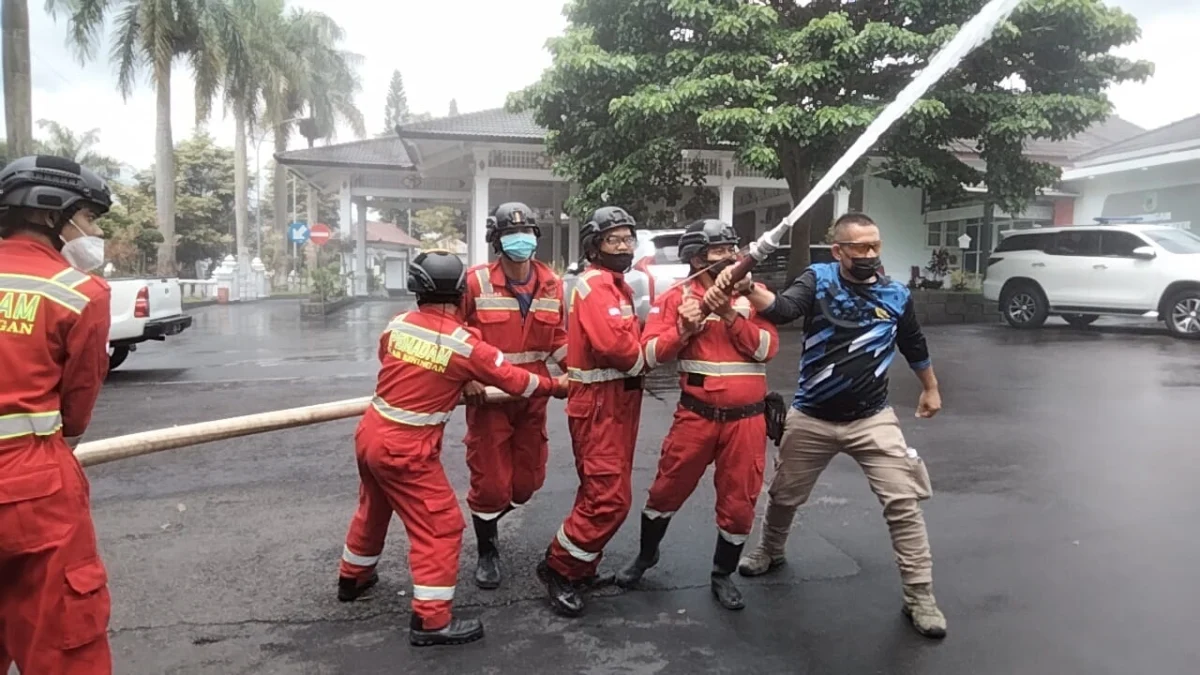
725	560
921	609
350	589
564	595
653	530
457	632
769	553
487	569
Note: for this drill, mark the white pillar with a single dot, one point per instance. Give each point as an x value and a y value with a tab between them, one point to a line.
360	252
346	220
841	202
477	252
573	225
555	229
726	214
760	221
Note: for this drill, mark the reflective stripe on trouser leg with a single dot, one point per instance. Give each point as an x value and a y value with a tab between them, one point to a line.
741	457
368	528
604	458
418	489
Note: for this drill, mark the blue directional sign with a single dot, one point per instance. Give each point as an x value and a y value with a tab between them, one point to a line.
298	232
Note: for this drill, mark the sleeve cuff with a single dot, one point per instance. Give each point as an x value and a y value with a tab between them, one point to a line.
921	365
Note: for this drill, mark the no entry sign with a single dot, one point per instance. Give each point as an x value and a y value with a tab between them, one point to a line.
320	234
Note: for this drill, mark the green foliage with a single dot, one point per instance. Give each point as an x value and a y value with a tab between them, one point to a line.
437	223
396	111
789	86
64	142
327	283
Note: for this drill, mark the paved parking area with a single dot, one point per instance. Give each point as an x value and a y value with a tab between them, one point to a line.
1063	522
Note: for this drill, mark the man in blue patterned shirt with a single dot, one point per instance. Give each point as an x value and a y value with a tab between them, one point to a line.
854	319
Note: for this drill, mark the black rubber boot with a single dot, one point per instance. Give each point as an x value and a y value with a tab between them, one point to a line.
564	595
487	570
725	561
349	588
653	530
457	632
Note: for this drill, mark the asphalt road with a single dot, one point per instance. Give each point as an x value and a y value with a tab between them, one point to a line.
1063	523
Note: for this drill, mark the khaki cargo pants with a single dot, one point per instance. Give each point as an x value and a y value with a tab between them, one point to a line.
897	475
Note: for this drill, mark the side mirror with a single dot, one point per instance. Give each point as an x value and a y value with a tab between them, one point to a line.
573	268
1145	253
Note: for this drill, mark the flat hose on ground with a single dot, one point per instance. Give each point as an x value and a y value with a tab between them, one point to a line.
158	440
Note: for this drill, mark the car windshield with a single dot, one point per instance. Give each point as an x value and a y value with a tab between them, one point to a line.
1175	241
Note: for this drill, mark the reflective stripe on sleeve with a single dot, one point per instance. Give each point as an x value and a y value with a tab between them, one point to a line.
402	416
570	547
433	592
560	354
652	353
360	560
764	345
30	424
526	357
725	369
534	381
53	291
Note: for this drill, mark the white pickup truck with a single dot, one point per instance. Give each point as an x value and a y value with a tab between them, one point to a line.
143	309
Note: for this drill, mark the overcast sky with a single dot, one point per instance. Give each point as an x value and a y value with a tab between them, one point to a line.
477	51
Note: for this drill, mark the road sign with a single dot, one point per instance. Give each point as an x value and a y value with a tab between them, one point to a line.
320	234
298	232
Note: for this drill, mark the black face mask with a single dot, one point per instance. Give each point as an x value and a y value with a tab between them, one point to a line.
862	269
614	262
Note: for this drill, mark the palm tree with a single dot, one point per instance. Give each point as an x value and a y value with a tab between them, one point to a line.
18	102
64	142
152	34
321	79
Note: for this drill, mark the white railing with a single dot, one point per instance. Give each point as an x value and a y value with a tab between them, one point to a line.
198	289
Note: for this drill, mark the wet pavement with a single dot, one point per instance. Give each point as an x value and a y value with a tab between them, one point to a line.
1063	522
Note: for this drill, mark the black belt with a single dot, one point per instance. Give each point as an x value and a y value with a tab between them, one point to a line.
715	414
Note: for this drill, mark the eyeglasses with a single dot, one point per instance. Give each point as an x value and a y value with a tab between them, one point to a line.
860	247
614	240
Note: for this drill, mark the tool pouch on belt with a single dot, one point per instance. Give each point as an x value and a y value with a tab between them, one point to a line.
776	413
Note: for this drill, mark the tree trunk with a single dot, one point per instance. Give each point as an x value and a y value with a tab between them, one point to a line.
18	100
241	197
799	180
164	179
314	213
282	218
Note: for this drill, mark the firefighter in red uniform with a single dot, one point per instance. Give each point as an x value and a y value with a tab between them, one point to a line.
54	320
427	357
516	304
604	359
721	415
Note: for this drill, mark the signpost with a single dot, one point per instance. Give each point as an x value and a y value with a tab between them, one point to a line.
298	233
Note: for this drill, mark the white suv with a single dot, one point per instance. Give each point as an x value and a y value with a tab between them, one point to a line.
1083	272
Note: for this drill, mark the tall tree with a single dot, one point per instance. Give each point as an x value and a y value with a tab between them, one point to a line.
151	35
790	85
396	111
18	100
323	83
64	142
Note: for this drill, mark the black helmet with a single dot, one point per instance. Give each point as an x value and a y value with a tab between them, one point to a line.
53	184
701	234
437	276
510	215
604	219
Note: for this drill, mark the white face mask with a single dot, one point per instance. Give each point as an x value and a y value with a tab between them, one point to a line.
85	253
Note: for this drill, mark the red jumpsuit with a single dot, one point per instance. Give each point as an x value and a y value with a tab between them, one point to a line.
506	442
724	366
604	405
54	599
427	358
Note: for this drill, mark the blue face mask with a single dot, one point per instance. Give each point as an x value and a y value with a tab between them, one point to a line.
519	247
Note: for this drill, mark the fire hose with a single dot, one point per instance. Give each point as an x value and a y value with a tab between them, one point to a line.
158	440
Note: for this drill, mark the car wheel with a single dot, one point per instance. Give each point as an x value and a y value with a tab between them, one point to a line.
1024	306
117	356
1183	315
1080	320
